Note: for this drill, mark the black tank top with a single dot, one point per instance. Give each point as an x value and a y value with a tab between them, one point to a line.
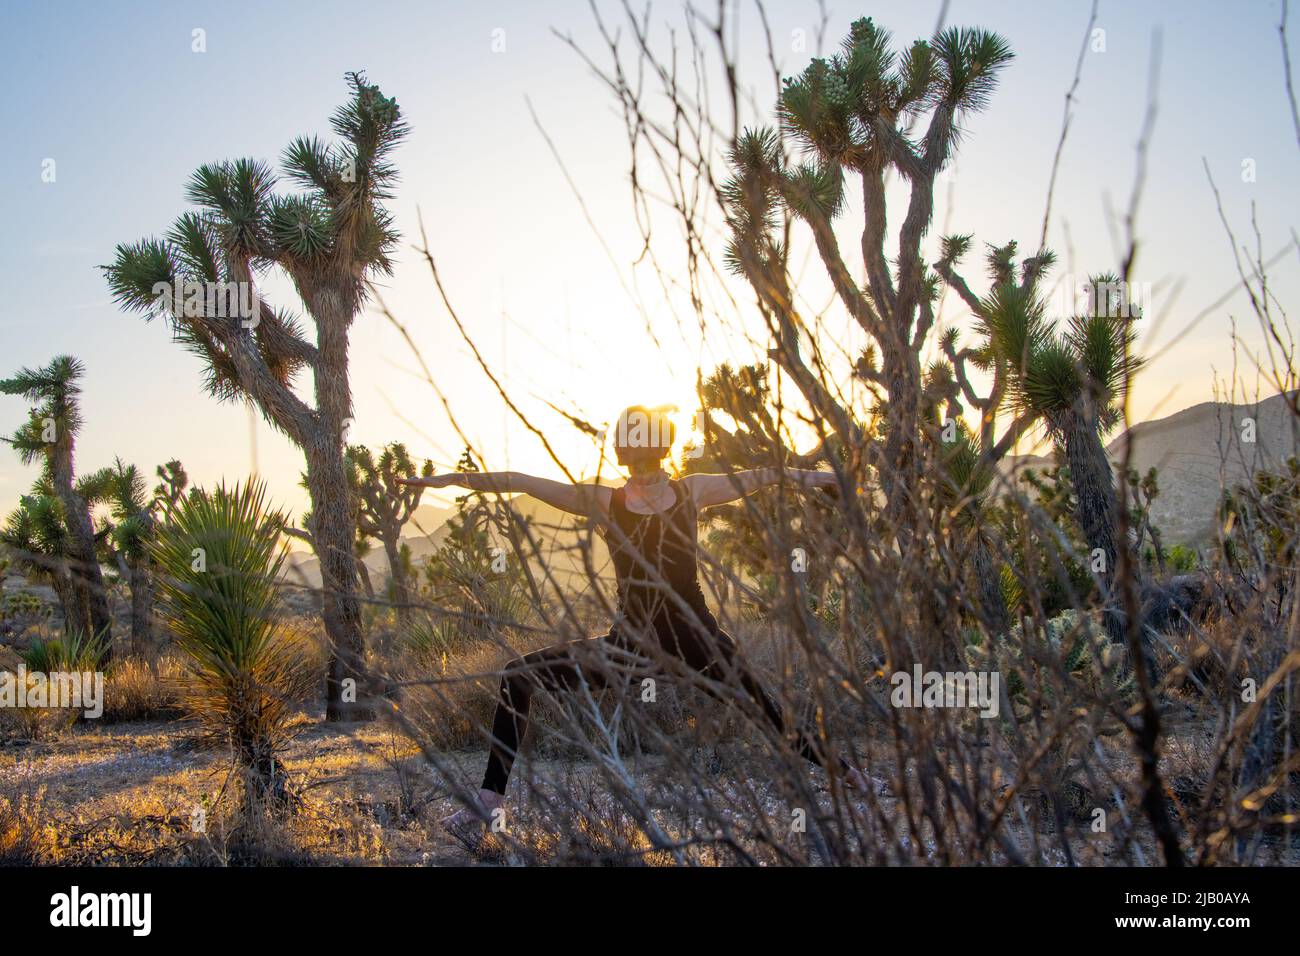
667	544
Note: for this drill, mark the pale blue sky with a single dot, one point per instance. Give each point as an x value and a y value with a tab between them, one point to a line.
114	94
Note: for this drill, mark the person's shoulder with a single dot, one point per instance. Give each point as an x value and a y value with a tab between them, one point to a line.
606	495
686	485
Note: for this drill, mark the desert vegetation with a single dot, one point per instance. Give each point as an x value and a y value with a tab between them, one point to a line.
1144	710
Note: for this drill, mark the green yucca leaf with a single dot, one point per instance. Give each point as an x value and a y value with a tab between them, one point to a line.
969	60
916	74
244	669
1050	382
220	557
815	190
955	247
311	163
74	652
196	246
300	226
237	193
137	270
1012	318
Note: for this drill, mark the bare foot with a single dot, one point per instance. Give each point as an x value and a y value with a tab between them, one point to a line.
855	779
479	814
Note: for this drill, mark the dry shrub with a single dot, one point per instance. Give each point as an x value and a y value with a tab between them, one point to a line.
135	690
1210	656
454	709
26	836
586	829
307	634
35	723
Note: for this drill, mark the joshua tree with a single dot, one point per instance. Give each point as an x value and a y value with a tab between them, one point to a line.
1072	382
126	536
384	507
49	436
360	543
740	535
38	537
329	239
854	115
169	491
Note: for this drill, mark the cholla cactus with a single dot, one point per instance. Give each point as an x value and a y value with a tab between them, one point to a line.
1073	643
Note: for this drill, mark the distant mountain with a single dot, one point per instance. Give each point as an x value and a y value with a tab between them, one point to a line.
1197	453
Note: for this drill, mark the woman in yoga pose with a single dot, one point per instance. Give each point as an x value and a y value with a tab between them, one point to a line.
650	527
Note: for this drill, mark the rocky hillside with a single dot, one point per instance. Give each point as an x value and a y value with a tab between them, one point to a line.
1198	452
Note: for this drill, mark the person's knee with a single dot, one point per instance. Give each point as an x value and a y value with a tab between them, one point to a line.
514	681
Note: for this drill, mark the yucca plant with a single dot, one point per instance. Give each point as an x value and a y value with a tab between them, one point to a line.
75	651
219	558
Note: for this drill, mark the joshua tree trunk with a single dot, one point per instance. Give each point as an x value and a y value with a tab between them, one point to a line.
363	575
70	600
93	613
141	609
334	526
1094	490
397	572
992	607
332	535
899	469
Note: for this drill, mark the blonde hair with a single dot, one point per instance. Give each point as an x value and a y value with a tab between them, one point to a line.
644	433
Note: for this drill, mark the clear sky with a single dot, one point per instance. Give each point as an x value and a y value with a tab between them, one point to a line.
117	96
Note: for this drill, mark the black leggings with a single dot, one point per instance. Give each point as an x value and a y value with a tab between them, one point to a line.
598	661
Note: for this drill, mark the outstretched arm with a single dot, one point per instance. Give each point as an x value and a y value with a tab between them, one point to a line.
708	490
574	499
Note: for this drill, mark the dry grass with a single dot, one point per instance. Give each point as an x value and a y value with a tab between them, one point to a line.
136	690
